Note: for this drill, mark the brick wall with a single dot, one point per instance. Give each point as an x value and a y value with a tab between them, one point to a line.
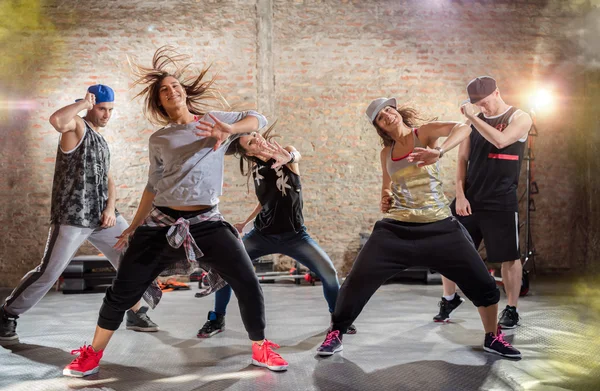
317	64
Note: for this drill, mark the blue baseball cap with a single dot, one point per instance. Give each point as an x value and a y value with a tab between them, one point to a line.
103	93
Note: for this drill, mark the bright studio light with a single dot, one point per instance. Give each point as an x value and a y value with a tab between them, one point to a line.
541	100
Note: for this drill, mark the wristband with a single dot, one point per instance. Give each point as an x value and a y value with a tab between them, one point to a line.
293	157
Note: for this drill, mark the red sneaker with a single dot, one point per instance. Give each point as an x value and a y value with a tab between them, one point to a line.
264	356
87	363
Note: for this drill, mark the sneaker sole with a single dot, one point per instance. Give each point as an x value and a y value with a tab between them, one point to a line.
70	373
508	327
277	368
146	329
209	335
12	339
327	354
500	354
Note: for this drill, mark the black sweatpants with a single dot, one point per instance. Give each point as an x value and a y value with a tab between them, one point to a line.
149	253
444	246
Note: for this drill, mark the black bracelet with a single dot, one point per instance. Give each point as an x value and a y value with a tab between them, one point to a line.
293	158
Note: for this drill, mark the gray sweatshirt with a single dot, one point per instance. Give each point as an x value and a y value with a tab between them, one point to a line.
184	169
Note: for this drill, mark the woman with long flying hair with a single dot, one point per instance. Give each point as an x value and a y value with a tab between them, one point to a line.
418	228
278	219
178	224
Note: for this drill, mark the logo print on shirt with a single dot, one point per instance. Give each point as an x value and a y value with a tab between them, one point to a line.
501	127
282	181
257	176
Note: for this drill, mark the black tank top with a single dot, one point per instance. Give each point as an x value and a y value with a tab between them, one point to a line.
493	173
279	191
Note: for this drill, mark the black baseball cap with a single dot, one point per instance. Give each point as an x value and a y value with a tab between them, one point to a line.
480	87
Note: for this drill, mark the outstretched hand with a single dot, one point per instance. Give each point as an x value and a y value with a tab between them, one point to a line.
424	156
218	130
280	154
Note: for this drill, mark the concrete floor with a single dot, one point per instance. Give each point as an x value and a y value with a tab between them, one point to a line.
397	347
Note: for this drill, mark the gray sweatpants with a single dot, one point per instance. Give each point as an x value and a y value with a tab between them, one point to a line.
63	243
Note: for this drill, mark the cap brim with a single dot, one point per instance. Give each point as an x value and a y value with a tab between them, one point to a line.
389	102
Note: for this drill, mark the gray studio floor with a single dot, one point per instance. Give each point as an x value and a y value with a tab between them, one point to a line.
397	347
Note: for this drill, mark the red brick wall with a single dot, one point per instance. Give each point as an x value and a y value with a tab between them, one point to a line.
330	59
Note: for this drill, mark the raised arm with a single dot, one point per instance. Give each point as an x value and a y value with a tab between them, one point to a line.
455	132
223	124
517	129
288	156
69	124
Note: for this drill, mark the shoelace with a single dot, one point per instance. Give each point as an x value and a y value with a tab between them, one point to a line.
83	353
330	337
500	338
268	345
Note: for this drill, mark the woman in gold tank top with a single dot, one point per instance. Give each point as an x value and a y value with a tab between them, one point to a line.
418	228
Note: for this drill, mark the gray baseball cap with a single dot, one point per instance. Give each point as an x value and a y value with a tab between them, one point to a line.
377	105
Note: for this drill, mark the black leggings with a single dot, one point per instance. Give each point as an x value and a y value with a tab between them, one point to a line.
444	246
149	253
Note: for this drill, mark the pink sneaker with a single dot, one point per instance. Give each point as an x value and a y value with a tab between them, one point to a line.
264	356
87	363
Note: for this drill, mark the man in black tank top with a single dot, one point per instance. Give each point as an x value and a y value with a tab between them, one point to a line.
489	163
83	208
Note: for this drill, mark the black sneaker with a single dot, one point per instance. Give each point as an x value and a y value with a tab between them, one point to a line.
509	318
8	327
446	307
331	345
214	325
139	321
497	345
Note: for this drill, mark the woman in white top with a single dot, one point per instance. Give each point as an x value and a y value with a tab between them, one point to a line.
177	222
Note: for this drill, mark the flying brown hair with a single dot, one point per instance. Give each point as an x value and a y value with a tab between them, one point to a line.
202	96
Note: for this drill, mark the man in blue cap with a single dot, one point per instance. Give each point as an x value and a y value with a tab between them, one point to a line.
83	208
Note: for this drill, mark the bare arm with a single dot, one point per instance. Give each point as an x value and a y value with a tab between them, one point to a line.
455	132
69	124
294	166
142	212
386	185
108	217
517	129
463	207
143	209
461	167
255	212
224	124
112	193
